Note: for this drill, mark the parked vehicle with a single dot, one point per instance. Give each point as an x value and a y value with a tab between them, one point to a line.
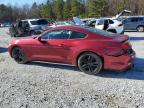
110	25
60	23
113	24
88	48
134	23
74	21
28	27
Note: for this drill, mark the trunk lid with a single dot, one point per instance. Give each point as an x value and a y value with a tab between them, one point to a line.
120	38
122	13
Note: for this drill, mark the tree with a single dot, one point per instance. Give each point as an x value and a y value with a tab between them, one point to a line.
75	8
34	11
46	11
95	7
67	9
59	4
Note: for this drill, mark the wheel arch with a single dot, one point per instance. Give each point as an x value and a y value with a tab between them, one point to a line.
140	26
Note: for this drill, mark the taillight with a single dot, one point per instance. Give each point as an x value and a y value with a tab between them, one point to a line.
120	24
121	52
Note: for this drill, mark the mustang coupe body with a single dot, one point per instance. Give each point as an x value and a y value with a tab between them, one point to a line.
88	48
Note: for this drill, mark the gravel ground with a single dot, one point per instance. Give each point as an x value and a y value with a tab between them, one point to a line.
44	85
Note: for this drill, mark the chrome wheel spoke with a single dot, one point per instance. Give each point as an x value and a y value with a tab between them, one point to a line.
94	64
90	69
85	67
90	59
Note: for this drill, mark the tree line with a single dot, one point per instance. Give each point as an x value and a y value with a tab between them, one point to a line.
66	9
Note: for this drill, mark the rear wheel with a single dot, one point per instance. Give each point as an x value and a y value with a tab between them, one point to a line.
90	63
140	28
18	55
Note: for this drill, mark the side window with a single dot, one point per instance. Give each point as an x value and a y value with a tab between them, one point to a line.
100	22
134	19
77	35
25	24
20	24
111	22
57	34
140	19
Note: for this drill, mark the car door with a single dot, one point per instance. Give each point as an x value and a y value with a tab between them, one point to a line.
53	46
127	24
134	23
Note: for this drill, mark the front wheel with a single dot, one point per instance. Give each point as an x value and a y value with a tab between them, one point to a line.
90	63
18	55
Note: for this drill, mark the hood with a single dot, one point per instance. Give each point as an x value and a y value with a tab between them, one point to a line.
23	38
78	21
122	13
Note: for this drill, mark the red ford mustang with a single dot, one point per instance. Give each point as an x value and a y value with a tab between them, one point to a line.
88	48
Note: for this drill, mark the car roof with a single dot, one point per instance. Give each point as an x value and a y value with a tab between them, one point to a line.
72	27
31	19
132	17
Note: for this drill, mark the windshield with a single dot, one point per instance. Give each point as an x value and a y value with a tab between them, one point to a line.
39	22
101	32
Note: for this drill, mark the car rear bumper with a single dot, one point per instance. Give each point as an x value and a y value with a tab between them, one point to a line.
122	62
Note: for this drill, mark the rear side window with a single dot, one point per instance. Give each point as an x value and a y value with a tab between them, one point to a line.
141	19
77	35
98	31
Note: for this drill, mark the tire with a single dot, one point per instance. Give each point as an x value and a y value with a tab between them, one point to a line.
18	55
140	28
32	33
90	63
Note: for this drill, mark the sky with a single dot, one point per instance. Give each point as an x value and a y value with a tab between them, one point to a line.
20	2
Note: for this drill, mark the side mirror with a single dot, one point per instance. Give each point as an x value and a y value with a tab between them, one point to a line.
41	40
